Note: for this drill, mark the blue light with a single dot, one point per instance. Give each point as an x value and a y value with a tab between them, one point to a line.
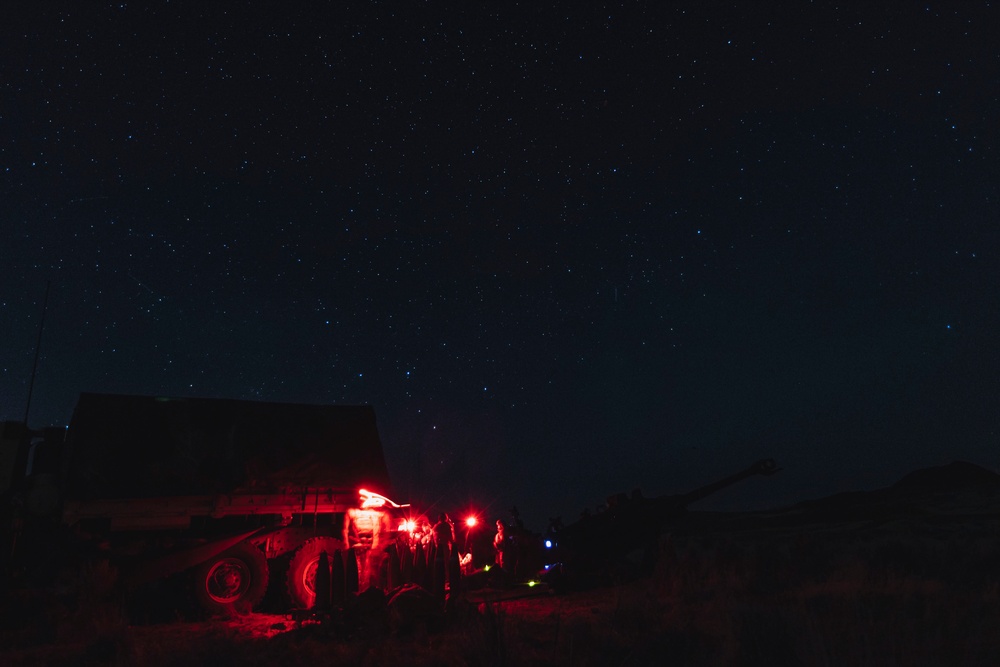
548	544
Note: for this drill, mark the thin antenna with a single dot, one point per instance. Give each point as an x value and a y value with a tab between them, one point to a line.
38	347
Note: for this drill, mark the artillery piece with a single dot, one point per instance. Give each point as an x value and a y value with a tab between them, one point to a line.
623	540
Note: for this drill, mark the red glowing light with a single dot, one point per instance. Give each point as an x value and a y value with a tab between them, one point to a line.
471	521
369	499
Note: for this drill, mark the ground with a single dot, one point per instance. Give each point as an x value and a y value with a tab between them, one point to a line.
904	577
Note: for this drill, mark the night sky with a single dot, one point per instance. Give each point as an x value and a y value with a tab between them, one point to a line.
564	249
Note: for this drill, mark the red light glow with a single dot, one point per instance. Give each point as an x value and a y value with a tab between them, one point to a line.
369	499
471	521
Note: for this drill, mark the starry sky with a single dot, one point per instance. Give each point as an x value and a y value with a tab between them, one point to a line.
564	249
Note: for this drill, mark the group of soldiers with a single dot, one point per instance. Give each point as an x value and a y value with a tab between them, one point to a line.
430	545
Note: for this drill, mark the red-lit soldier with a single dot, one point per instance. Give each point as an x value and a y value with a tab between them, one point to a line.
500	543
444	536
361	533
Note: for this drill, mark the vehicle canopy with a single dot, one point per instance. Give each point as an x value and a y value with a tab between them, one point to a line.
124	446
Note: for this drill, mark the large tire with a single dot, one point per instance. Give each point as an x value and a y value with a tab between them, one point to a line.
302	570
234	580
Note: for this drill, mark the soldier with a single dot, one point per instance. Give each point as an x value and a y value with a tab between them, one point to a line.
500	543
361	533
361	528
444	536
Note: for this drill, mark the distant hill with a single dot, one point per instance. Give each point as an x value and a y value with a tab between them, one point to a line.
957	476
945	497
942	499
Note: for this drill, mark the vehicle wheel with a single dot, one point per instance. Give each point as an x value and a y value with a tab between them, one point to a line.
302	570
234	580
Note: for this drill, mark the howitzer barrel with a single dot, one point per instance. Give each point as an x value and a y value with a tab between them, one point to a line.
762	467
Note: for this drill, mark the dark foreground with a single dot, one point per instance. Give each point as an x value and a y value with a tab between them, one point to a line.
909	577
714	605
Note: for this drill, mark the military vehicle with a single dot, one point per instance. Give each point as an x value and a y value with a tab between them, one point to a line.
623	540
234	493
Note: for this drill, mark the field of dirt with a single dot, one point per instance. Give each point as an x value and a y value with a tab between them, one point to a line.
902	576
713	616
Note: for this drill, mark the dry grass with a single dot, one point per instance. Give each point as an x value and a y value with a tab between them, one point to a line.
816	600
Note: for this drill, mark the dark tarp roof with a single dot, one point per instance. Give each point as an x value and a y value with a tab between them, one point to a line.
141	446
